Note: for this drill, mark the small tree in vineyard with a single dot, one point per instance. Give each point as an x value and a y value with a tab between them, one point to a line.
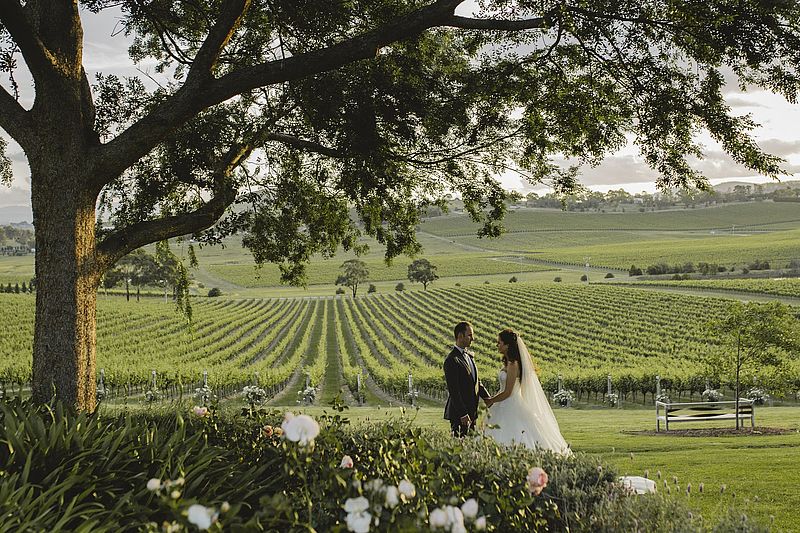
422	271
754	335
355	273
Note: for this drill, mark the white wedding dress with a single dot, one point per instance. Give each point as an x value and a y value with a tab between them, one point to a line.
525	417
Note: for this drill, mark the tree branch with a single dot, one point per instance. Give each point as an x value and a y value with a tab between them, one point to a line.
141	137
496	24
14	118
297	142
38	58
222	31
125	240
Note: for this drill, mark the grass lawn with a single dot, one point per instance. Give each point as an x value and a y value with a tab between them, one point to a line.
760	474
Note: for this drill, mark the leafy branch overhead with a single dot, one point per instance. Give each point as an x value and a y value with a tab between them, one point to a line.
283	115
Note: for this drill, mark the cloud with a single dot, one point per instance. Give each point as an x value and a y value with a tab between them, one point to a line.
780	147
737	101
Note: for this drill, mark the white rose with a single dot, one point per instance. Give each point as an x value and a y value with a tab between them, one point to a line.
374	485
301	429
154	485
407	489
359	522
347	462
438	518
225	507
356	505
458	528
480	524
392	496
470	509
200	516
454	515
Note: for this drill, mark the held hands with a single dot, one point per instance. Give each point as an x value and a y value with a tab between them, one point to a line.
465	420
488	401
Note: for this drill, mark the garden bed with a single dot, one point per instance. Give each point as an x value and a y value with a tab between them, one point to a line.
716	432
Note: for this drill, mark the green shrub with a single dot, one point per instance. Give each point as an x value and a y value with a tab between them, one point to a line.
214	292
609	275
61	471
557	279
372	288
399	287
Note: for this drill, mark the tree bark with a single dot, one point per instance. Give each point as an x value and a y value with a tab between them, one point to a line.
67	273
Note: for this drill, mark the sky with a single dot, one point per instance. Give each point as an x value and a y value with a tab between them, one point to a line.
778	133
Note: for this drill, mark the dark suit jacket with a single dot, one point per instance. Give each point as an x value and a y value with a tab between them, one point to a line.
463	388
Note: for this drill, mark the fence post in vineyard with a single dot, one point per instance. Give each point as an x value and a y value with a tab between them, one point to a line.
658	386
308	379
205	378
255	378
411	387
560	383
358	386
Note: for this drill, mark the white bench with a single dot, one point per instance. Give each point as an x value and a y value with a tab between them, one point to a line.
669	413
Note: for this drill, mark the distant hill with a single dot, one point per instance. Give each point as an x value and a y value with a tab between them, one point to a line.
728	186
14	214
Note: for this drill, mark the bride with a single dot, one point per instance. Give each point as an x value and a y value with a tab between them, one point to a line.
520	410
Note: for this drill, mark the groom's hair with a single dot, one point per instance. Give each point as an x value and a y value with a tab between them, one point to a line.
460	328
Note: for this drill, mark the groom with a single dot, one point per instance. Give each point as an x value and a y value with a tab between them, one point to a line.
463	384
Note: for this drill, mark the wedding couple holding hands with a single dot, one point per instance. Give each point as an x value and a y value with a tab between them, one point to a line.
519	413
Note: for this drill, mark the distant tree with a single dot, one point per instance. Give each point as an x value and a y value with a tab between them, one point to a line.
354	273
422	271
372	288
754	335
24	288
513	279
16	288
340	290
400	287
486	282
609	275
557	279
584	277
214	292
634	271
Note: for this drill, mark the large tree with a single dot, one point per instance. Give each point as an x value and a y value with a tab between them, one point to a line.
298	110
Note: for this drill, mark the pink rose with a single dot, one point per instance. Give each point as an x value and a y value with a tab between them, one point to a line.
267	431
347	462
537	480
200	411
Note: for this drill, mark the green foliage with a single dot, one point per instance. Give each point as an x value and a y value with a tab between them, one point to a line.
779	287
96	469
372	289
355	272
400	287
214	292
422	271
757	336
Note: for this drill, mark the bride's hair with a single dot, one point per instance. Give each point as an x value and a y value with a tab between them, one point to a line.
509	337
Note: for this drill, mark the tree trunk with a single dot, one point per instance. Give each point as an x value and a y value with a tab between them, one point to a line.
67	279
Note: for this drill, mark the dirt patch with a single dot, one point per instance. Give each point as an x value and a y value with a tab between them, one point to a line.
716	432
